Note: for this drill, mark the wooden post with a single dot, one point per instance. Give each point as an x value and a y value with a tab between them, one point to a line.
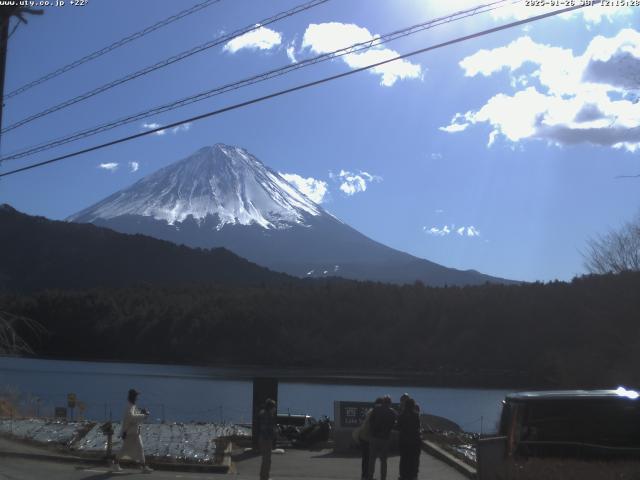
263	388
6	13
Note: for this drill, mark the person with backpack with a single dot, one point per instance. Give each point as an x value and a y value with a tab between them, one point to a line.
362	437
381	422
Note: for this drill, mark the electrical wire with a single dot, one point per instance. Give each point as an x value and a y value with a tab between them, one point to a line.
355	48
164	63
13	30
295	88
111	47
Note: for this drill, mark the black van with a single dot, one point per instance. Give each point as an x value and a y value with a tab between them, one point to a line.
600	425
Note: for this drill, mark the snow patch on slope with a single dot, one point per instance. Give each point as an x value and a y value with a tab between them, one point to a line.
223	181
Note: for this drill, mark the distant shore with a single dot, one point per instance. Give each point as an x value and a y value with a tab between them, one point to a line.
346	376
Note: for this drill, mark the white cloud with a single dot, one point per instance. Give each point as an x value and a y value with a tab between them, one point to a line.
586	98
185	127
110	166
134	166
469	231
438	232
314	189
352	183
445	230
591	15
259	39
291	52
557	66
327	37
454	127
436	156
153	126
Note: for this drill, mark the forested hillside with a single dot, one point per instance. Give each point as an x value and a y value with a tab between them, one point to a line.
584	333
38	253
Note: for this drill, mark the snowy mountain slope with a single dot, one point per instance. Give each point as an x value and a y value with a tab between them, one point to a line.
221	180
222	196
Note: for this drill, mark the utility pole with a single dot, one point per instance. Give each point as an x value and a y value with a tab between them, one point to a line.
6	13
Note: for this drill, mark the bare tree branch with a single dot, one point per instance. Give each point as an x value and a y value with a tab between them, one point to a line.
615	252
11	342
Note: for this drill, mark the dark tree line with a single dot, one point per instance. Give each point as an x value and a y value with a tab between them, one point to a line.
585	333
36	253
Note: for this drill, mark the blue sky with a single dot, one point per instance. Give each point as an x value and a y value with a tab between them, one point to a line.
498	154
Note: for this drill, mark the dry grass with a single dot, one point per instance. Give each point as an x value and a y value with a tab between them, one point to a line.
7	408
9	402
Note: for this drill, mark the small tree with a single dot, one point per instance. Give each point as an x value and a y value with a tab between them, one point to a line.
11	342
615	252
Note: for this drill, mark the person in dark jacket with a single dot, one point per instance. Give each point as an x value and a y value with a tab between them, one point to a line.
266	436
403	398
409	440
382	421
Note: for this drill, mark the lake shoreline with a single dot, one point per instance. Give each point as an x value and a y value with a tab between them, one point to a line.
179	393
357	376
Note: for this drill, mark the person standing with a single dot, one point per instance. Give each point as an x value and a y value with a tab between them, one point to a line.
362	436
266	436
382	421
409	440
403	398
131	440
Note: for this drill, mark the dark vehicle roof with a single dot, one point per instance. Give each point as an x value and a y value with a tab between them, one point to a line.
295	420
620	393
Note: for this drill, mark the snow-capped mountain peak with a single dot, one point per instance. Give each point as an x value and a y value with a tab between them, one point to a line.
223	181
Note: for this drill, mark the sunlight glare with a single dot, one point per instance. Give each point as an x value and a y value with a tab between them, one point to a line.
623	392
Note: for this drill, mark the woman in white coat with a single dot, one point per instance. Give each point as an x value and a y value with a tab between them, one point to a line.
131	441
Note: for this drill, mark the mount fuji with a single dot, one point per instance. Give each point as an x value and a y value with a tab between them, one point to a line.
222	196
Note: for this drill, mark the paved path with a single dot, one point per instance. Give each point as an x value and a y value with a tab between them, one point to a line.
25	468
22	469
325	465
302	464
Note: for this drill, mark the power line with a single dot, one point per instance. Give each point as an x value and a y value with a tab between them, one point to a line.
165	63
296	88
13	30
113	46
259	78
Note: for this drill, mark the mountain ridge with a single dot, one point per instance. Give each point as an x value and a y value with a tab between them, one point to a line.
222	196
41	253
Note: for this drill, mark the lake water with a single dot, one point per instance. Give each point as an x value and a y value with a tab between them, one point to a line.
185	393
